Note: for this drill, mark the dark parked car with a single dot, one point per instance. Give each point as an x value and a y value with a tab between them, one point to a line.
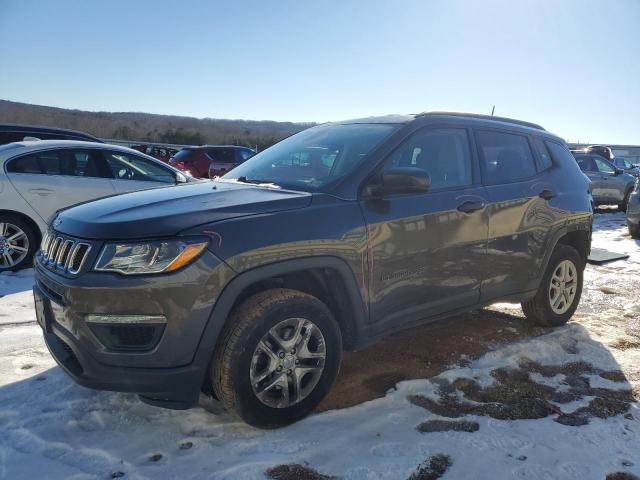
633	211
17	133
160	152
626	166
609	184
250	287
198	160
601	150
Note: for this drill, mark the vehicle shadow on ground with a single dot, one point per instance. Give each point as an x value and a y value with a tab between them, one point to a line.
16	282
423	352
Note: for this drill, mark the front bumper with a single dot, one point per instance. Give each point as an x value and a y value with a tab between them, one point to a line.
167	374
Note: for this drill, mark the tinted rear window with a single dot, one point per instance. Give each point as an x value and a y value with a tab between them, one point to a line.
507	157
184	155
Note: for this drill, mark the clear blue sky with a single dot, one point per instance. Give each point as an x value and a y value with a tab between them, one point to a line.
571	65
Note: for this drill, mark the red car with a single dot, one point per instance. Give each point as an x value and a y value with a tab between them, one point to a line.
210	160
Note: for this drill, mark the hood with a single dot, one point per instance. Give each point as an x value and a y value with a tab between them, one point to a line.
167	211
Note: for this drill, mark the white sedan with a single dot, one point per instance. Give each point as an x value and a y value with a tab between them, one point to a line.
38	178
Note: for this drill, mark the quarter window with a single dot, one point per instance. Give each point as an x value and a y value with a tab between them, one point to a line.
506	157
442	152
26	164
543	154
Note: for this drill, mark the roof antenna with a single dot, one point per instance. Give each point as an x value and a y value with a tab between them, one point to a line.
493	110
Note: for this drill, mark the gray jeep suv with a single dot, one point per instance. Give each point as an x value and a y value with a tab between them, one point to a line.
250	287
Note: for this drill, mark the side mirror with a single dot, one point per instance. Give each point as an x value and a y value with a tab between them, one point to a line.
400	180
618	171
180	178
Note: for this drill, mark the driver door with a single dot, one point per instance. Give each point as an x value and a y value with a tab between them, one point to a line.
427	251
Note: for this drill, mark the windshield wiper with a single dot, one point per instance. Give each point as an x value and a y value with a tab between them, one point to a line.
255	181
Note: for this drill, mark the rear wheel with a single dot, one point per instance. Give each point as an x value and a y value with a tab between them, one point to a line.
278	357
18	243
560	289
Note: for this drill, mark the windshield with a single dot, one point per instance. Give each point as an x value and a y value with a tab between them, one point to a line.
312	159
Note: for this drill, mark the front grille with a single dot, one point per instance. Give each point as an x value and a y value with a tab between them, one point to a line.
62	253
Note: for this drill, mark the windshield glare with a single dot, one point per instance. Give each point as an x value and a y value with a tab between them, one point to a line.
313	158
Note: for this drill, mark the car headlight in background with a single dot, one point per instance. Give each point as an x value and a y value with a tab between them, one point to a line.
155	256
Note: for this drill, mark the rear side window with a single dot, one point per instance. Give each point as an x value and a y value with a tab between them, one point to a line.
221	155
26	164
543	154
185	156
506	157
245	154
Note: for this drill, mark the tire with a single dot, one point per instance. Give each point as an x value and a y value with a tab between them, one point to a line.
539	310
15	233
239	362
634	230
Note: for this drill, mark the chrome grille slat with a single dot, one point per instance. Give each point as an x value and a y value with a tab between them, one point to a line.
62	253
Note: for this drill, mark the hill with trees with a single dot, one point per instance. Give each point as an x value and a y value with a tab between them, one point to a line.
147	127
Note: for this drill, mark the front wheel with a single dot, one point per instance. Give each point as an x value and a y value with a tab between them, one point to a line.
560	289
18	243
277	359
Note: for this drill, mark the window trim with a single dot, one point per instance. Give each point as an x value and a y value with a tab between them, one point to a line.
475	171
483	170
53	149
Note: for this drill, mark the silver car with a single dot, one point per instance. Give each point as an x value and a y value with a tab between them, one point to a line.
38	178
609	184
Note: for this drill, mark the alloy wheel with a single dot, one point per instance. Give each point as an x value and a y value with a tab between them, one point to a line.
287	363
563	286
14	245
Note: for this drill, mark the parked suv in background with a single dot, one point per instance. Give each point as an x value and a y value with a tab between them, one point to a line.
250	287
10	133
626	166
39	178
609	184
210	160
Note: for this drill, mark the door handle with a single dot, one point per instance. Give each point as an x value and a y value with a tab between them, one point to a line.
547	194
41	191
470	207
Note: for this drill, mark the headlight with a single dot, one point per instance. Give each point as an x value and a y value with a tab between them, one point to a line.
159	256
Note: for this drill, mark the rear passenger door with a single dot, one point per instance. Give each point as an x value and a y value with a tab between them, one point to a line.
520	216
427	250
54	179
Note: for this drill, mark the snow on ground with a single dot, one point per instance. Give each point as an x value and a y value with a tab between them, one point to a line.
53	428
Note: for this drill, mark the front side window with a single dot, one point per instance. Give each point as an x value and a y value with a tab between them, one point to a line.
506	157
313	158
131	167
185	156
244	155
603	166
441	152
586	163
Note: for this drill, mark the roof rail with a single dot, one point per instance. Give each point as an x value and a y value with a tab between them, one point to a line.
484	117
